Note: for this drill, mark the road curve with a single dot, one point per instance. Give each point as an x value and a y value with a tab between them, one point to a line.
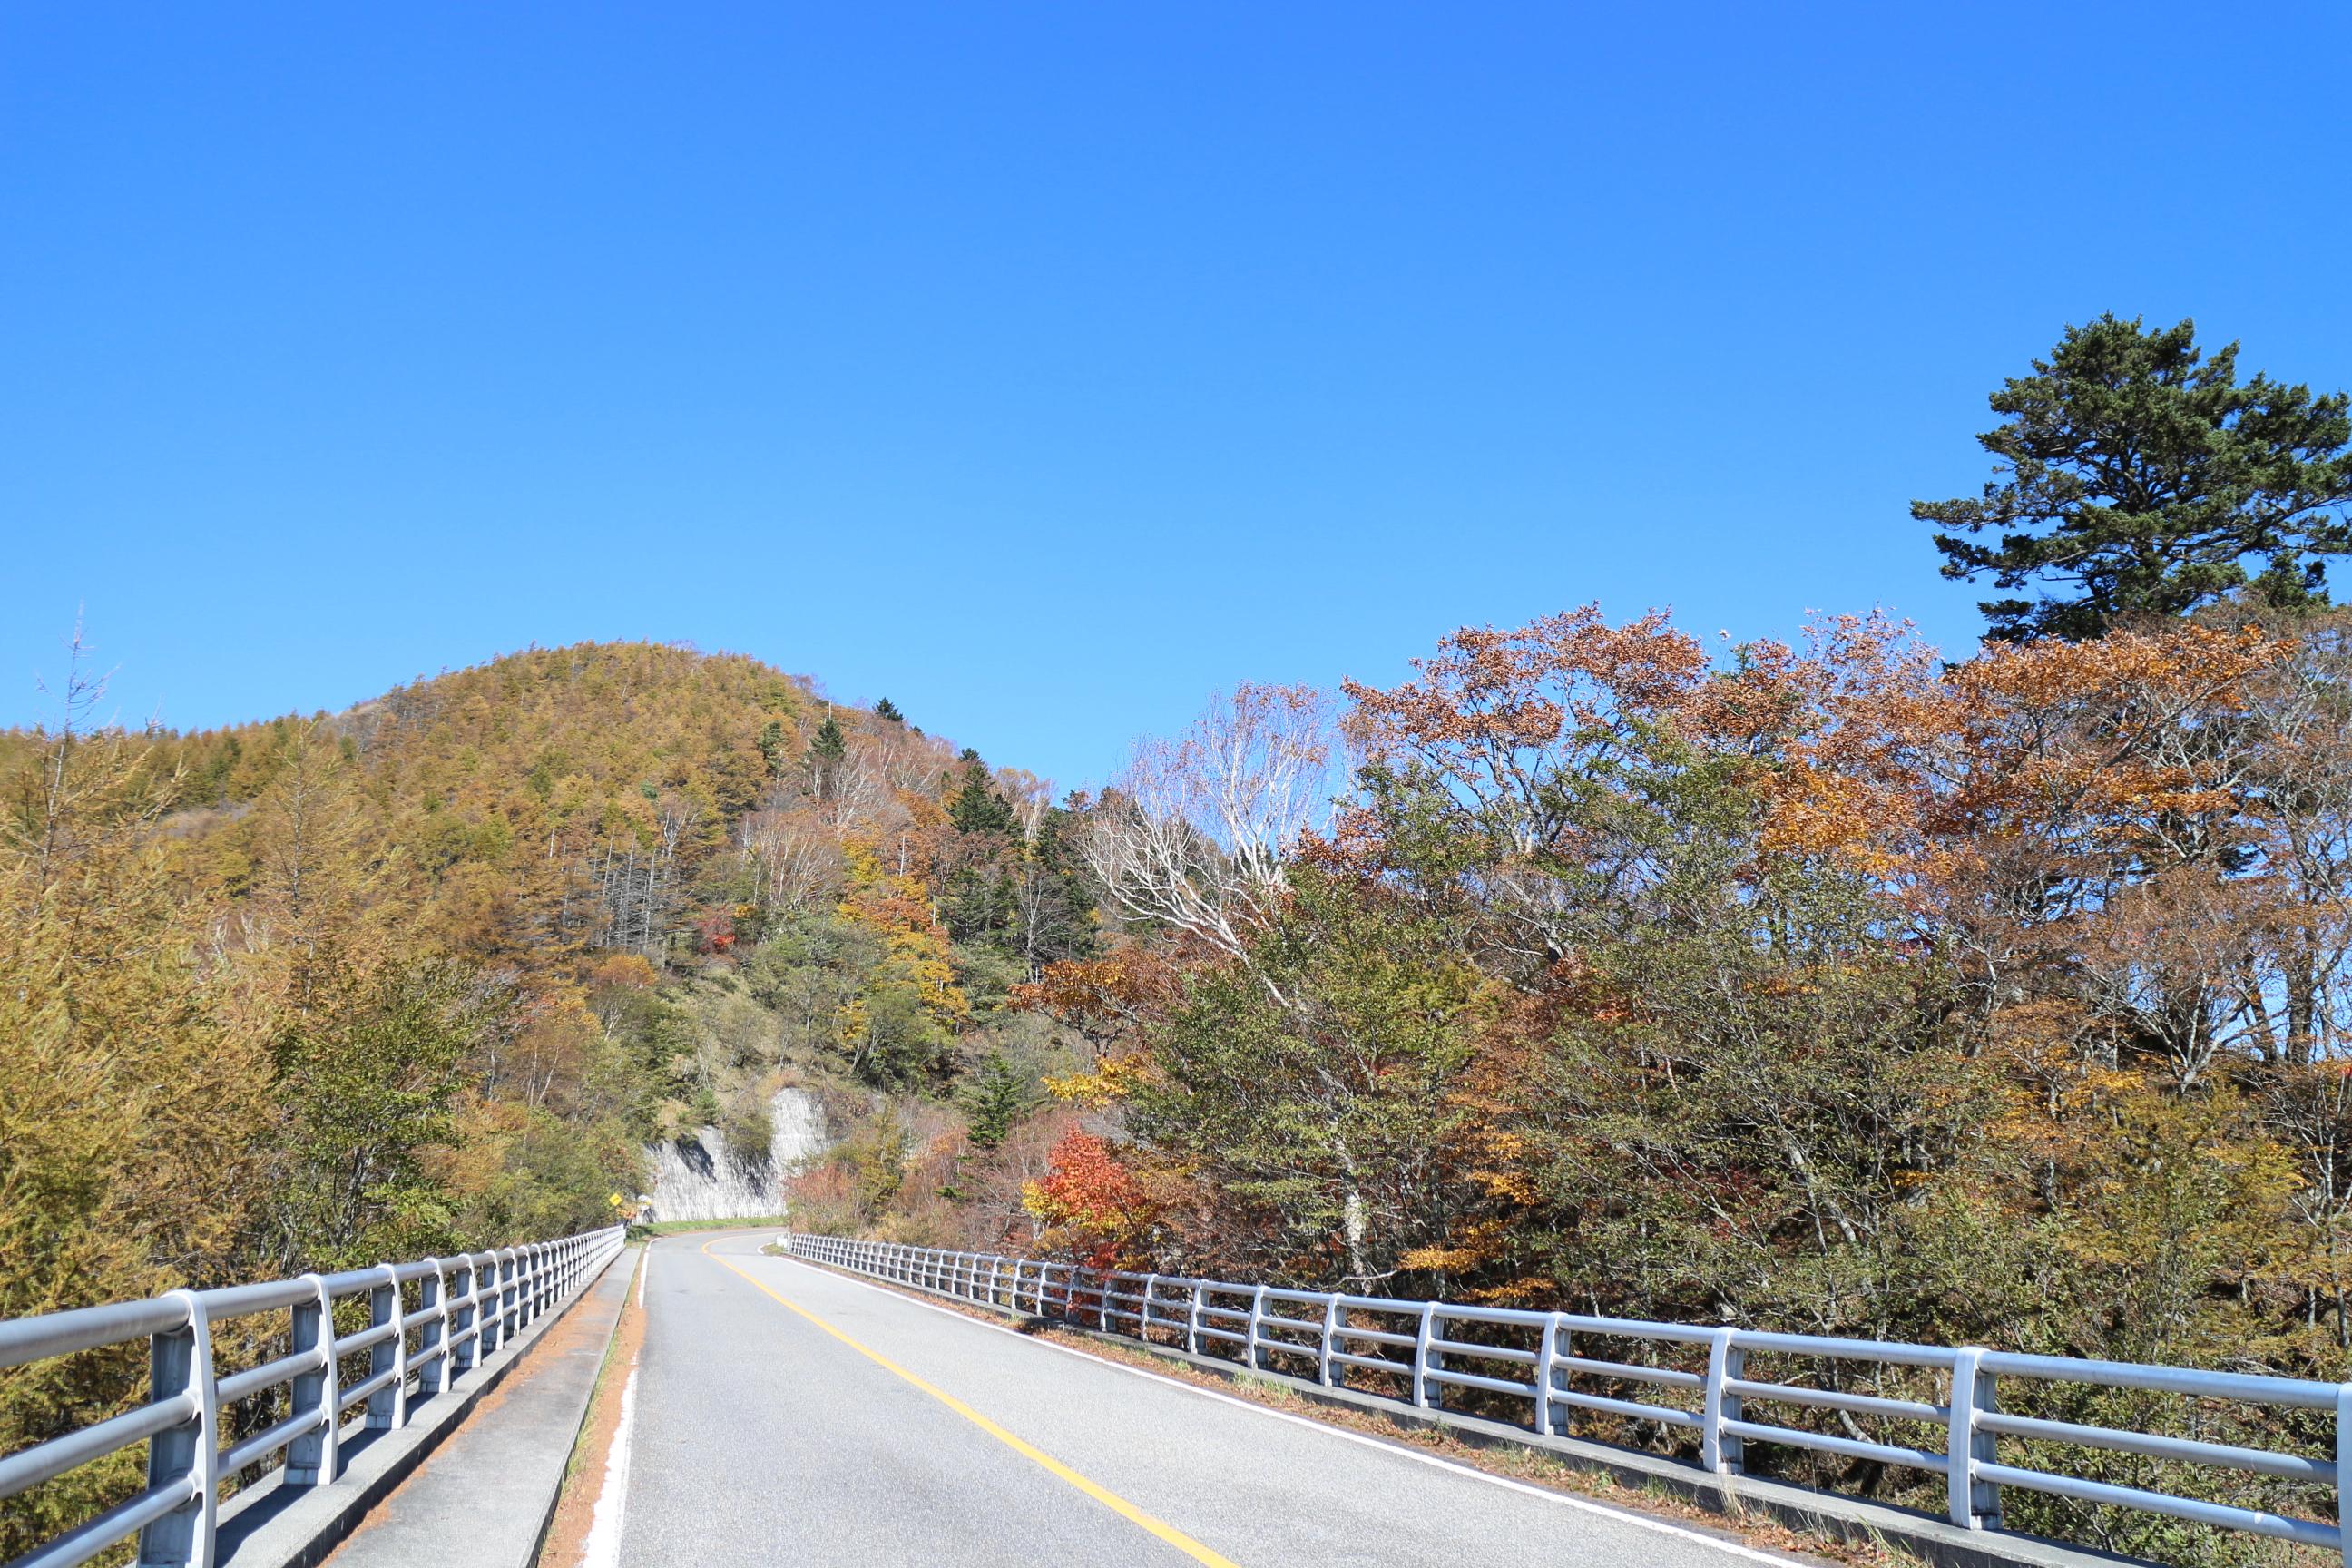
788	1415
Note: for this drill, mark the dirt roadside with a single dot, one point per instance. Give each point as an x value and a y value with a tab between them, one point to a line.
583	1478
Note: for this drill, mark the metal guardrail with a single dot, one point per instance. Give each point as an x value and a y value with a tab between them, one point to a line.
1541	1357
466	1306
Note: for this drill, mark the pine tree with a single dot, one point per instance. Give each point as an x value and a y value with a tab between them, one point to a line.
1053	903
1001	1096
771	746
977	807
824	754
2136	470
887	710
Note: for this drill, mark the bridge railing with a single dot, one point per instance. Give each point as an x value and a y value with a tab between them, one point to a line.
466	1307
1560	1364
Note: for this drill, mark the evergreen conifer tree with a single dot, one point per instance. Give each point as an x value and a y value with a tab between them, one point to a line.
1001	1096
2136	470
977	808
824	754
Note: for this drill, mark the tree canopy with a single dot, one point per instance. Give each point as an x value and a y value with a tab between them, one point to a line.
2136	476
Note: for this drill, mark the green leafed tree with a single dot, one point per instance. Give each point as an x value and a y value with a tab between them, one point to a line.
1314	1093
2136	476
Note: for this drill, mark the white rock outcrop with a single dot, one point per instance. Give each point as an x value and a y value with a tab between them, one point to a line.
705	1180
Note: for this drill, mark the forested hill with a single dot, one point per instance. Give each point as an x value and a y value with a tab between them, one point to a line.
431	972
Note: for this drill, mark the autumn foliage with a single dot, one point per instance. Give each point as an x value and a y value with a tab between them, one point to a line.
1823	986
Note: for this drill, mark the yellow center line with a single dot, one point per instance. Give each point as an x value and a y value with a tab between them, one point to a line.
1102	1494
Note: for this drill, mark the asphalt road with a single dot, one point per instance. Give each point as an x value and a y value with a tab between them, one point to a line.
767	1431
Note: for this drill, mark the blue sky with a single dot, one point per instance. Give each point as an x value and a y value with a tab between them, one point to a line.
1045	369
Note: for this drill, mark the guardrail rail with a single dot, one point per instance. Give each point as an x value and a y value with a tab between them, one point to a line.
1543	1357
466	1307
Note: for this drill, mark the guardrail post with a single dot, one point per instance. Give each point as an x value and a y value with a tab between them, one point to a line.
1975	1504
463	1346
388	1406
310	1457
1720	1451
1563	1412
1143	1313
1427	1395
434	1314
1334	1319
1547	1367
509	1291
485	1313
1192	1319
180	1360
1257	1311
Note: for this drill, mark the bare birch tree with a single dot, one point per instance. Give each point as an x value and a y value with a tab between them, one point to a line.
1192	835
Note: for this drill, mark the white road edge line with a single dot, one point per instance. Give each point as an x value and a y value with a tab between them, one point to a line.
643	1269
603	1547
1566	1499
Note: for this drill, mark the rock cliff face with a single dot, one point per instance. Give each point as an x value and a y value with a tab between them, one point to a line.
703	1178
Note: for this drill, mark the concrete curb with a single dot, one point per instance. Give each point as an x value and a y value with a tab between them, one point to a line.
595	1384
1923	1536
271	1526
